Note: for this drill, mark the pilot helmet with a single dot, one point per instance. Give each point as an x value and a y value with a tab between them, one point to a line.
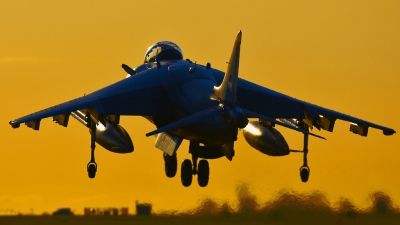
163	50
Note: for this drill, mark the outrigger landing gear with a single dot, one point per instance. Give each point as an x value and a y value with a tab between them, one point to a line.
92	165
305	170
202	170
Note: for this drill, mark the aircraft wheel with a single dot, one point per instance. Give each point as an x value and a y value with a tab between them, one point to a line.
92	169
204	173
186	173
304	173
171	165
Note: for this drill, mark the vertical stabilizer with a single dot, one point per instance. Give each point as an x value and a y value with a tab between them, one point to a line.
226	92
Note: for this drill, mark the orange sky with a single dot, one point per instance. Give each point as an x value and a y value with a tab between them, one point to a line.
341	55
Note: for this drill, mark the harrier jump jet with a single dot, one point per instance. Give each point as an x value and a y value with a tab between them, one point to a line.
188	101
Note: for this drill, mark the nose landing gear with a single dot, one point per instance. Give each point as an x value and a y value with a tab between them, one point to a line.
170	164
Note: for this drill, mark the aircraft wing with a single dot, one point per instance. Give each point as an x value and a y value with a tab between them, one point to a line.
141	94
266	102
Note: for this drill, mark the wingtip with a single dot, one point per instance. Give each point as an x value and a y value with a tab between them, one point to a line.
14	124
389	132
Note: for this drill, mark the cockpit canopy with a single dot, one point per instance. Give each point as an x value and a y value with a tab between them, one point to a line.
163	50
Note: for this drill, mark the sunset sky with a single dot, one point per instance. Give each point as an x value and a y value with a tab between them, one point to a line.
343	55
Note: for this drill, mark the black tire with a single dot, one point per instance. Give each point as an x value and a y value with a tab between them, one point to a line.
171	165
92	169
186	173
304	173
204	173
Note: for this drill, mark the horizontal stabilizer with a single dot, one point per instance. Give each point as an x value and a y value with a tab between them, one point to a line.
197	117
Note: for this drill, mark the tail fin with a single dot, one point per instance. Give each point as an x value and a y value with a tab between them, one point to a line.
226	92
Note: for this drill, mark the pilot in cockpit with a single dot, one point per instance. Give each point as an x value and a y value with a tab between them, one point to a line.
163	50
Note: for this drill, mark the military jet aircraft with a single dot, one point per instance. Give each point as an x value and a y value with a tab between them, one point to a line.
198	103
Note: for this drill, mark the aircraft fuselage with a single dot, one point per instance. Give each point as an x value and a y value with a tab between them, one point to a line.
190	90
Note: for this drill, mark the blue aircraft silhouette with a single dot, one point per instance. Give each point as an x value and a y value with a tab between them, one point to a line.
197	103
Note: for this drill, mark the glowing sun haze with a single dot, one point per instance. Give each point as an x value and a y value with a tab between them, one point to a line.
338	54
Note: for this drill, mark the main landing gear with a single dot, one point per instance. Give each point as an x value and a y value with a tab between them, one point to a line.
202	170
92	165
304	169
188	169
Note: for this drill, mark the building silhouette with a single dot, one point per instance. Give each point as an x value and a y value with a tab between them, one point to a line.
124	211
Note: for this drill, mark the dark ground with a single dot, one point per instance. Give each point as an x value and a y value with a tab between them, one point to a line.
288	208
273	218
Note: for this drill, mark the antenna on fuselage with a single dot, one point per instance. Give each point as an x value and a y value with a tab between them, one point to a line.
129	70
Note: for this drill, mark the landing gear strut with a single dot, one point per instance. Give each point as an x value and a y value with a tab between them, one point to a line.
92	165
304	169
